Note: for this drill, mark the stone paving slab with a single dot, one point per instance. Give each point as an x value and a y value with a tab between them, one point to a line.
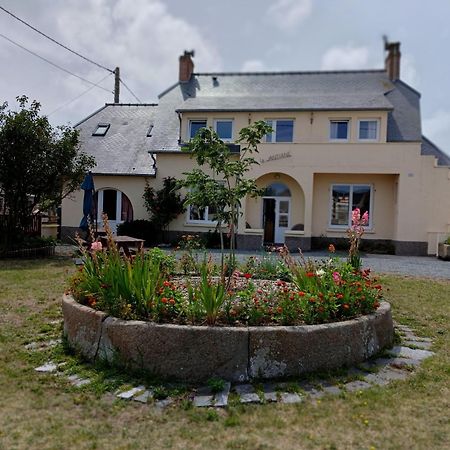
247	393
290	397
354	386
127	395
162	404
35	346
270	392
221	398
47	368
78	381
407	352
144	397
419	344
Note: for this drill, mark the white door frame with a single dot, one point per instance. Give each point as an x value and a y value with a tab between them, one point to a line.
279	231
112	223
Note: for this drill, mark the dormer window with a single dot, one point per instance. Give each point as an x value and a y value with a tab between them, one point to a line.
102	129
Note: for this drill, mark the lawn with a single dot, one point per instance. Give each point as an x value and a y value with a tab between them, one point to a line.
46	412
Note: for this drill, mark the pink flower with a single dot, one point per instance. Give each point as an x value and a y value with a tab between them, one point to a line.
336	277
96	246
356	215
365	218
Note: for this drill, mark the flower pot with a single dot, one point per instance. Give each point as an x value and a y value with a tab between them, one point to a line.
444	251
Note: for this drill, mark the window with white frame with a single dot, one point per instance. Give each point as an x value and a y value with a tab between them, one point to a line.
198	214
282	130
224	129
339	130
347	197
368	130
194	126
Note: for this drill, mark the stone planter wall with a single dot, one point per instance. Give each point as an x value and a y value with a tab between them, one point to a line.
196	353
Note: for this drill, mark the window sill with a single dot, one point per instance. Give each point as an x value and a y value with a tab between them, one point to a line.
203	224
253	231
344	230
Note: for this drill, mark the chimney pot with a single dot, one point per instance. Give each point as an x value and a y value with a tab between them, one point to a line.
392	62
186	66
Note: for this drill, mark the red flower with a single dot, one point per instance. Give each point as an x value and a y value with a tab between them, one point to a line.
339	296
280	309
247	275
346	306
172	301
166	283
301	294
164	300
310	274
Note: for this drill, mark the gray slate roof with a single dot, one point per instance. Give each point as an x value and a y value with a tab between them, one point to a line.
429	148
287	91
124	148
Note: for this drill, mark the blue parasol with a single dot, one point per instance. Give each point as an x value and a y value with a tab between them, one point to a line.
89	190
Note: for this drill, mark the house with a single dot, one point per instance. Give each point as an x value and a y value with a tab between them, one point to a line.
340	140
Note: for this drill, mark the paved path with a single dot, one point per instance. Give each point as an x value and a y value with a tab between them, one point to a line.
416	266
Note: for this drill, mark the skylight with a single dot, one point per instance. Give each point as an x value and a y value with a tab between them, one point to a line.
101	130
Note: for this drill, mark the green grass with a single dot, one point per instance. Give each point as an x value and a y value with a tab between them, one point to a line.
39	411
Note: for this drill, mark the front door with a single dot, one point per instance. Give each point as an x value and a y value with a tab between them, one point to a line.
276	218
110	203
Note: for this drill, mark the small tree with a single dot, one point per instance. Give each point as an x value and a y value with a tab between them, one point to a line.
39	164
165	204
227	185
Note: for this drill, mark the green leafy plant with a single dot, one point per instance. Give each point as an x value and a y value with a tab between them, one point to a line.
39	166
227	185
164	205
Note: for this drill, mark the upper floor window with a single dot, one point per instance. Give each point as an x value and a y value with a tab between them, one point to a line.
224	129
368	130
101	130
195	126
339	130
282	130
347	197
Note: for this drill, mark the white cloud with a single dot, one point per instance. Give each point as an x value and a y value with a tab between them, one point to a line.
287	14
437	129
348	57
408	71
253	65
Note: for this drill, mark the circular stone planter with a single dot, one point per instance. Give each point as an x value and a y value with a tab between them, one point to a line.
197	353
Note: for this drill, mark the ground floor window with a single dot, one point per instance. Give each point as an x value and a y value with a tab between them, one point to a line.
197	214
345	198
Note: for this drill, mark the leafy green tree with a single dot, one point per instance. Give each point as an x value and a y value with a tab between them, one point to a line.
165	204
39	165
225	184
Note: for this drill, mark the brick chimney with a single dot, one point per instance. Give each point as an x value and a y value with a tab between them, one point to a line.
186	66
392	62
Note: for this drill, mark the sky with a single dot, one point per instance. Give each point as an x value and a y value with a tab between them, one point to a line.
145	38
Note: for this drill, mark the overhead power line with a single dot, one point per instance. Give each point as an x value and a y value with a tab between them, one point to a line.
55	41
53	64
130	91
78	96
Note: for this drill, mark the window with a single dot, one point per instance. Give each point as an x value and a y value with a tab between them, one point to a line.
282	130
339	130
197	214
149	132
224	128
345	198
195	126
368	130
102	129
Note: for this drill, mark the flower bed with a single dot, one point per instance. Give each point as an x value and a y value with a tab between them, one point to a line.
270	317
